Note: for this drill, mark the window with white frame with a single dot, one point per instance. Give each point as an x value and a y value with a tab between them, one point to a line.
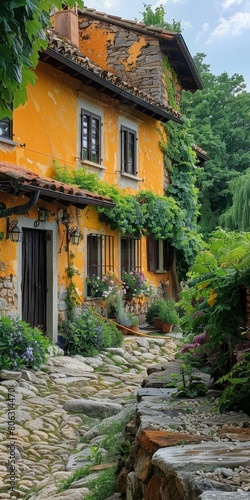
159	253
128	150
130	254
6	131
90	136
100	255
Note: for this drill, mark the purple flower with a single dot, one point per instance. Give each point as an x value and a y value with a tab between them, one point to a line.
200	339
187	348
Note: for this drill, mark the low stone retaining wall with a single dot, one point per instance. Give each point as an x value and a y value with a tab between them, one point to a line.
182	450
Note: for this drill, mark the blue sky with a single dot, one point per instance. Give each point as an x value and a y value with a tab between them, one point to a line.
219	28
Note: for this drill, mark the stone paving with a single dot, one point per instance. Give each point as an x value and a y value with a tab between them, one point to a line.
44	414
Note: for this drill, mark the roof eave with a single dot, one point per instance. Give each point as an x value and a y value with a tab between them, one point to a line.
189	60
52	57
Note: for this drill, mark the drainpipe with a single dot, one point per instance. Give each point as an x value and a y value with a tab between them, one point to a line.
21	209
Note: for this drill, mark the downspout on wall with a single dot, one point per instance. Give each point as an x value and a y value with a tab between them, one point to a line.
21	209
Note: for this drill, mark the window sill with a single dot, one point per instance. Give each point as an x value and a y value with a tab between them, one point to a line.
88	163
131	176
8	141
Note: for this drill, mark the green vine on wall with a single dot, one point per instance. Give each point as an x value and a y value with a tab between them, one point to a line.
172	217
72	299
171	82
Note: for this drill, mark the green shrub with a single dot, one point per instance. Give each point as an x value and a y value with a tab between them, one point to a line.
168	313
153	311
236	394
88	334
21	346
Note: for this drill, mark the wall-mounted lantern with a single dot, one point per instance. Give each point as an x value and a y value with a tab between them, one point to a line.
42	214
13	232
74	235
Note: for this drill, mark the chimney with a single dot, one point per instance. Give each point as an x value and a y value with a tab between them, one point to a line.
66	24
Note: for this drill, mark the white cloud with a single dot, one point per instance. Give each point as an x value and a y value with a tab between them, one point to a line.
230	3
233	26
186	25
205	28
164	3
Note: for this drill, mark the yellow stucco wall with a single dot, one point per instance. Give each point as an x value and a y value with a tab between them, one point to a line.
47	129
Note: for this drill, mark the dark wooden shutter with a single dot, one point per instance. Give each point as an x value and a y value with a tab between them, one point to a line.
151	253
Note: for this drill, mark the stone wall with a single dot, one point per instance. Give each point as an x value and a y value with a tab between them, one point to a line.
133	56
8	295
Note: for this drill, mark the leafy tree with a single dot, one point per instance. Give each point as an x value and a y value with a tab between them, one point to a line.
237	217
156	18
220	124
21	38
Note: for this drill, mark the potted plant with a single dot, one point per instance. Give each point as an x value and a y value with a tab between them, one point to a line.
135	285
121	316
152	314
102	286
168	315
134	322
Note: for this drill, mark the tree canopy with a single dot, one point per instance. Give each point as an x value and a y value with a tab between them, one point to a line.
220	124
156	18
21	38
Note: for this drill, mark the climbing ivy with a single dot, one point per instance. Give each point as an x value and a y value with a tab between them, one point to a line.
171	217
170	81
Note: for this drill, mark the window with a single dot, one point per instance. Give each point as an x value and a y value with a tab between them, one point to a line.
130	255
100	254
160	254
128	151
90	136
6	129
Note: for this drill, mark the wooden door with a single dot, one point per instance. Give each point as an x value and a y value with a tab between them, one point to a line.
34	278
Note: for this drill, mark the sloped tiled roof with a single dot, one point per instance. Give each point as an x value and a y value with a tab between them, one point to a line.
19	180
200	153
172	44
121	90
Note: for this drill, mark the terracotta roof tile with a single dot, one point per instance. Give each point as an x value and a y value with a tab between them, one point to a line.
24	178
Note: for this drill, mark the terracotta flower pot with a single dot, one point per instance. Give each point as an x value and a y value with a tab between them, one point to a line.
157	323
122	329
134	328
166	327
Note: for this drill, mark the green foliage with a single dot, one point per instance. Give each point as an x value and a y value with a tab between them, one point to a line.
115	448
72	299
153	311
121	316
21	38
170	81
216	313
190	385
237	217
127	216
20	345
169	217
180	161
88	334
220	124
103	486
236	395
156	18
168	313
